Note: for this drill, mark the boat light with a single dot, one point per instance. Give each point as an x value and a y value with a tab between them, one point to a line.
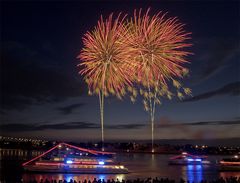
122	167
69	162
101	163
190	159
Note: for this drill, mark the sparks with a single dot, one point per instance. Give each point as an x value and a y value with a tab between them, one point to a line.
106	62
159	55
105	58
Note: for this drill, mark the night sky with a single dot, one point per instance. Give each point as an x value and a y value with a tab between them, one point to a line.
42	95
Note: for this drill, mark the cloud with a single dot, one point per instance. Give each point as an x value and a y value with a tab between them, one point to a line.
70	108
199	130
21	127
15	127
203	123
221	53
70	125
30	76
232	89
2	112
126	126
215	123
216	56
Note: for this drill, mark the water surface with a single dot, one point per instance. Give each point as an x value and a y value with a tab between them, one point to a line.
139	165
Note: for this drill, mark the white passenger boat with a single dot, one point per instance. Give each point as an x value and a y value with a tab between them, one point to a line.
66	158
188	159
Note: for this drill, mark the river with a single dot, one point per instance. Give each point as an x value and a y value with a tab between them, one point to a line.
139	165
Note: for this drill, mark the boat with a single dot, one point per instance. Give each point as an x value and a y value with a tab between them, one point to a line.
188	159
66	158
230	164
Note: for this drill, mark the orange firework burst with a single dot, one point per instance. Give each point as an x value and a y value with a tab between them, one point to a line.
105	58
158	45
147	50
106	62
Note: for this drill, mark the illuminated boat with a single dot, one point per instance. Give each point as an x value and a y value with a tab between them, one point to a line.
230	164
188	159
66	158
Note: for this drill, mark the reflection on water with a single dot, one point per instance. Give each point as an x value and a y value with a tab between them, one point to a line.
194	173
30	177
229	174
140	166
18	154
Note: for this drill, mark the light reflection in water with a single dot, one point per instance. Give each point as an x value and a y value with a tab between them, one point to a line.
18	153
120	177
194	173
68	177
78	177
102	177
229	174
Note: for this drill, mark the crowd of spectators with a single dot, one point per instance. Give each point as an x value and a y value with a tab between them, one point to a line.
149	180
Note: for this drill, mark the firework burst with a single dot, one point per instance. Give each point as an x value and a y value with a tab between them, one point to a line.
148	50
158	44
106	62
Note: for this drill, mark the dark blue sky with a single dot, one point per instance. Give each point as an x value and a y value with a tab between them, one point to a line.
43	96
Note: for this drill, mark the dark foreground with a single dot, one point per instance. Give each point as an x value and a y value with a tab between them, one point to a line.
149	180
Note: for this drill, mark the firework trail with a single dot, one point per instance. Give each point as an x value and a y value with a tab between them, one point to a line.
105	61
159	55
